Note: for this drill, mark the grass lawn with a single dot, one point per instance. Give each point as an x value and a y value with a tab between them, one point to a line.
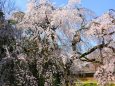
89	81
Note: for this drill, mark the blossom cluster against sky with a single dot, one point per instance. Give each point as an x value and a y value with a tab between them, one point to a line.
98	6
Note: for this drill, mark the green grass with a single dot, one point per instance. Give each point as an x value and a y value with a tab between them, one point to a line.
91	84
88	82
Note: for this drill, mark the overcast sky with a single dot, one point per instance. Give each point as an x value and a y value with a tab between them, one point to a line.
98	6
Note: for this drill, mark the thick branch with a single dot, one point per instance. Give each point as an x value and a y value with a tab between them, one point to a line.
93	49
90	60
83	58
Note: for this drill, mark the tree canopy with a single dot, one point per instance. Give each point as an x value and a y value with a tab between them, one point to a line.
49	45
